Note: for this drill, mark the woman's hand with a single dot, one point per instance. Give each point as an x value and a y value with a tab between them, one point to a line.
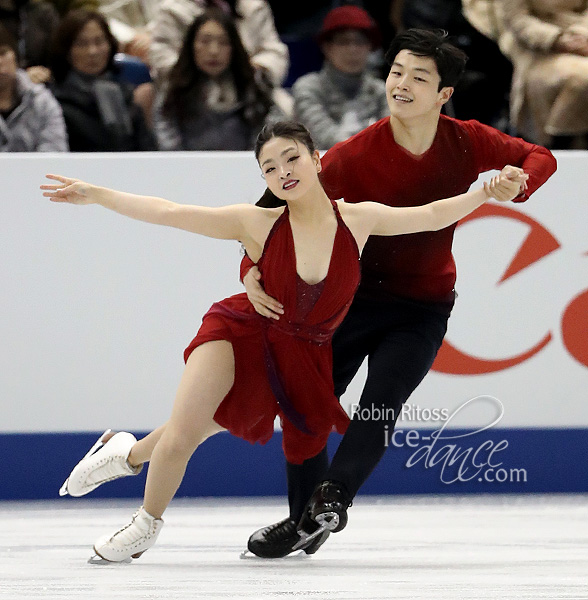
508	184
69	190
265	305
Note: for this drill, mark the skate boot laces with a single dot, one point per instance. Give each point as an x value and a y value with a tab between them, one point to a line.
279	531
131	540
105	462
109	468
139	528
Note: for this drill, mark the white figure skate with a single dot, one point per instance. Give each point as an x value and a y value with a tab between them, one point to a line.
105	461
130	541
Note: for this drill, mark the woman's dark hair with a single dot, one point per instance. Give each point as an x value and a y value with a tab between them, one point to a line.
435	44
230	3
290	130
186	80
65	36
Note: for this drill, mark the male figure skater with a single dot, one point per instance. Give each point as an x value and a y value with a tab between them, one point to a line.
399	316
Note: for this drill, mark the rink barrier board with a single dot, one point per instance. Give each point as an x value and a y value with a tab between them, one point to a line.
35	465
97	309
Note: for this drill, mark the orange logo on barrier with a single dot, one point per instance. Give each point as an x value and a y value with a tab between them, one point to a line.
538	243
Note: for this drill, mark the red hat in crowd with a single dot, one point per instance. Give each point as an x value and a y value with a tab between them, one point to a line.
349	17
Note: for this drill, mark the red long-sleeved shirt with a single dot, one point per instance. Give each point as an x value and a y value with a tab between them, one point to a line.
372	166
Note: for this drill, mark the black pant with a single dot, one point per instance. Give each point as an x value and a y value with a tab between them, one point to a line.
401	341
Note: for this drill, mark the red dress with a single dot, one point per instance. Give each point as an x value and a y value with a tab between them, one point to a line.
284	367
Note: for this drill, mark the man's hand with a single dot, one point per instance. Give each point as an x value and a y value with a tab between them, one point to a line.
515	173
265	305
39	74
507	185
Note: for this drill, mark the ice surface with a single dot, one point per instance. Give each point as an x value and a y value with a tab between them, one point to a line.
478	547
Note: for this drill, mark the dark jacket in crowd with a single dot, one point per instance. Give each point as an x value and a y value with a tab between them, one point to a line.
100	114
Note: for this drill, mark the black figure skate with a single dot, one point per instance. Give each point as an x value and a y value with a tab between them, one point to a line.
279	540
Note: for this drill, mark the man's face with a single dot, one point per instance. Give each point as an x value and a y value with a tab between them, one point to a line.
8	66
412	86
348	51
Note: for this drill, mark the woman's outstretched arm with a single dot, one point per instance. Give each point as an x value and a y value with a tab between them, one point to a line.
386	220
225	222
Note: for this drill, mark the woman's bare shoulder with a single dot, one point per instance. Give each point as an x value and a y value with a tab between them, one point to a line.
354	207
261	214
259	224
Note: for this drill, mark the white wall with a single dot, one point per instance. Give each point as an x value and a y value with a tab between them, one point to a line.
97	309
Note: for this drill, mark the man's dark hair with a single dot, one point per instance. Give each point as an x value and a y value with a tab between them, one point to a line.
435	44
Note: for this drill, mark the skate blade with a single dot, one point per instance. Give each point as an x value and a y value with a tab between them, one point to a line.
98	560
99	443
306	538
247	555
326	522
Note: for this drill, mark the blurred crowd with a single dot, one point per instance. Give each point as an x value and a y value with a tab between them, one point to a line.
133	75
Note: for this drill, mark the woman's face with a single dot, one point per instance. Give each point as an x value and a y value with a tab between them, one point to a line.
90	50
212	49
348	51
288	167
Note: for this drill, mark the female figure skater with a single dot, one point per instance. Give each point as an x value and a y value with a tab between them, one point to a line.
241	369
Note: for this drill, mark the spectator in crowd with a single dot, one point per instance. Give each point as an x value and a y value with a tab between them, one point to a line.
130	22
343	97
213	101
255	24
309	15
99	110
30	117
549	99
32	24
